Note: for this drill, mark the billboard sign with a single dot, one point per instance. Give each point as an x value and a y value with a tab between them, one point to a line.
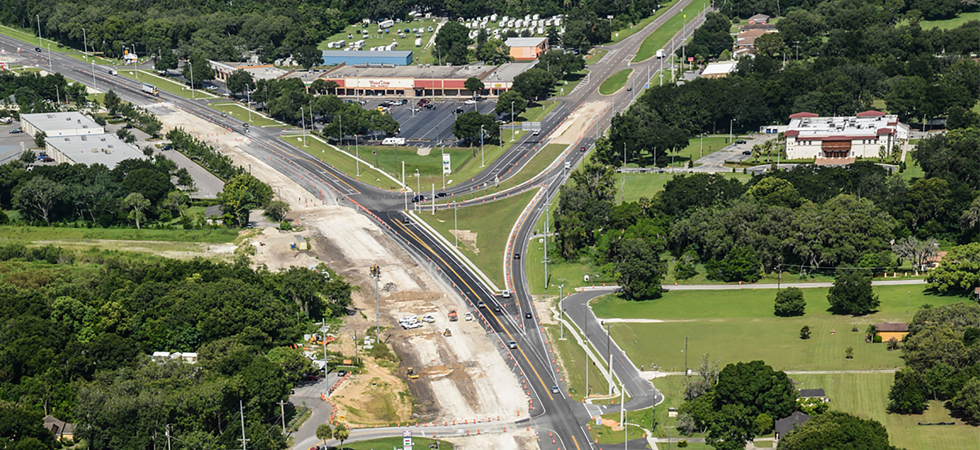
446	164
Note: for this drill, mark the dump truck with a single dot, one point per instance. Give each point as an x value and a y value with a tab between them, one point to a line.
149	89
453	316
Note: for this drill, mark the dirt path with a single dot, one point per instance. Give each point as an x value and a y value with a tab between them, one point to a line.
454	381
578	123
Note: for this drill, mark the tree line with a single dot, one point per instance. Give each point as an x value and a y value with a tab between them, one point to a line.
33	93
808	219
79	327
842	72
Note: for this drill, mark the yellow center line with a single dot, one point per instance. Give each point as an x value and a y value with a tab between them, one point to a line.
410	233
575	441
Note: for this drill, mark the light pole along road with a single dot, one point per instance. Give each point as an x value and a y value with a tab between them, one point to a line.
552	413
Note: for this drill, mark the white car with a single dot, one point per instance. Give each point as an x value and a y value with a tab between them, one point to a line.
428	318
505	294
470	102
469	316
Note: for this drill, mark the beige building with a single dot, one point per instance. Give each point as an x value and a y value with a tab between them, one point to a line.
524	49
60	124
839	140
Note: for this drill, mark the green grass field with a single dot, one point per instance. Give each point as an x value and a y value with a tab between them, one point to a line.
615	82
420	54
662	35
696	149
241	113
491	223
573	357
34	234
394	442
866	395
912	169
710	318
950	23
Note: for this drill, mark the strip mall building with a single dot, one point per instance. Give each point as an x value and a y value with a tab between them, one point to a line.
416	81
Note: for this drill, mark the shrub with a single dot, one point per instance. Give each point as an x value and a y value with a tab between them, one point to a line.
763	424
790	302
805	332
285	225
682	443
877	339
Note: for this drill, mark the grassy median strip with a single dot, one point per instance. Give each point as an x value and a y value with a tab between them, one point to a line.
573	360
539	111
659	38
241	113
538	163
484	230
341	161
393	442
615	82
165	84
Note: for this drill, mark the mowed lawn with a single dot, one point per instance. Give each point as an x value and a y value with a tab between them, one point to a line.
739	325
615	82
866	395
491	223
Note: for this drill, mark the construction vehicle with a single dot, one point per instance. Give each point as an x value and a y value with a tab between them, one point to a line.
447	333
412	375
453	316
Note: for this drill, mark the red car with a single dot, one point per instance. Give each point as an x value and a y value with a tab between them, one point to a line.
582	149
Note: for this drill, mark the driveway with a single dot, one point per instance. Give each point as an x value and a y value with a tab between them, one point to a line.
208	185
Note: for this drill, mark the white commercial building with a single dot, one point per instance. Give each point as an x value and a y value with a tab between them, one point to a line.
60	124
105	149
839	140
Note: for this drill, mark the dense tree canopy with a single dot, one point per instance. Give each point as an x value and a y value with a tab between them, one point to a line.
834	429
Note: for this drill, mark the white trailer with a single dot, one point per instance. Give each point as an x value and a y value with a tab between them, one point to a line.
418	42
393	141
660	53
386	23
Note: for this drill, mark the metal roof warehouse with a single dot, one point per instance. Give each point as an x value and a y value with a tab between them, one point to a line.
395	57
105	149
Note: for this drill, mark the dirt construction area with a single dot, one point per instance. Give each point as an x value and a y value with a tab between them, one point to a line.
578	123
461	377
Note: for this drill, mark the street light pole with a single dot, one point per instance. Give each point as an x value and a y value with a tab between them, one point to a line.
561	298
456	224
192	78
731	123
38	30
93	73
85	40
50	70
302	119
512	121
248	99
482	160
418	185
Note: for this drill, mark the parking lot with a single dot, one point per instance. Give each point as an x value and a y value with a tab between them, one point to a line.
430	125
12	145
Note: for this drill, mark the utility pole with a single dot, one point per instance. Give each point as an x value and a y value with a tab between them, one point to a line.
323	335
434	198
456	223
241	410
302	118
376	274
282	412
561	310
685	355
192	79
38	30
403	175
482	155
587	363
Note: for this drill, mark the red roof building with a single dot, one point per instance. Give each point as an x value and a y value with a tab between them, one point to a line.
841	140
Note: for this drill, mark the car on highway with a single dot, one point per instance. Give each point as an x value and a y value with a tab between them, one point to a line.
536	132
480	304
341	373
517	256
555	390
37	49
167	147
418	198
512	344
581	149
470	102
747	152
629	88
528	315
505	294
440	195
740	141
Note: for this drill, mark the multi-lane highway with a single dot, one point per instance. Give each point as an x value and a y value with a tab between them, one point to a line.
554	415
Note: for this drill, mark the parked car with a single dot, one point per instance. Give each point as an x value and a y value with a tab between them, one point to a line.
747	152
740	141
429	106
470	102
47	159
458	111
16	131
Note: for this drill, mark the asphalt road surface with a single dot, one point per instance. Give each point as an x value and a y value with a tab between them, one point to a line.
551	413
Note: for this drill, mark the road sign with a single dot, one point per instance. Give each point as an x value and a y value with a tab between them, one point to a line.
446	164
407	440
531	126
